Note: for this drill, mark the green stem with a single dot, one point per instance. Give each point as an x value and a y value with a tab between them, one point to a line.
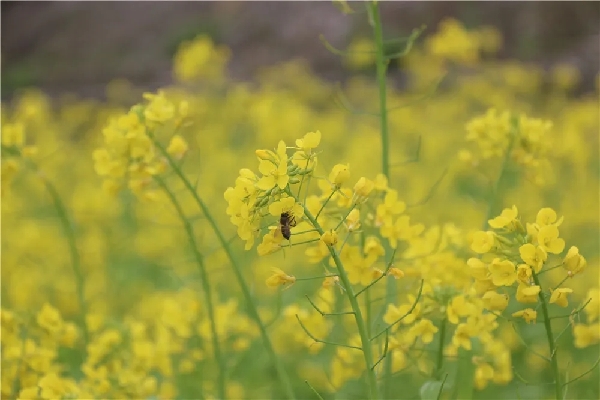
440	355
325	203
373	9
252	310
189	229
360	322
550	337
503	168
71	239
381	67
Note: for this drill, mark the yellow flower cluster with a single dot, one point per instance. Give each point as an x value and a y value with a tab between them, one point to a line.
139	357
199	59
129	153
517	255
524	140
104	299
254	197
454	42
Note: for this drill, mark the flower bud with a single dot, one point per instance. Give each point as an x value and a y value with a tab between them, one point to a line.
330	238
263	154
364	187
339	174
574	262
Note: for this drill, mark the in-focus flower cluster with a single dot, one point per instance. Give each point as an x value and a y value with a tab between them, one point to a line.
514	255
258	198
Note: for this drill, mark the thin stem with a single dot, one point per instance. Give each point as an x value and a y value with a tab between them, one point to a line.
381	69
360	322
16	385
312	278
323	313
550	337
381	63
440	354
439	396
344	218
71	239
314	390
405	315
505	162
252	310
325	203
189	229
385	350
324	341
584	374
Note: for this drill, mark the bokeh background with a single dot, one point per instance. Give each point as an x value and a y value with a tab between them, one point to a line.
81	46
70	68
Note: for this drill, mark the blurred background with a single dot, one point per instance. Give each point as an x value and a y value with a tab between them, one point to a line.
80	47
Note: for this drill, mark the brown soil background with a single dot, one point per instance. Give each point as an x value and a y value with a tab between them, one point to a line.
79	47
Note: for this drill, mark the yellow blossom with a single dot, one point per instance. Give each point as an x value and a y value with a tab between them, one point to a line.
503	272
381	182
50	319
373	247
549	241
353	220
280	278
289	205
271	242
574	262
586	335
177	147
559	296
547	217
524	273
535	256
483	241
316	253
340	173
13	135
462	337
390	207
507	219
274	171
310	141
527	294
528	314
396	273
495	301
458	307
478	268
401	230
424	330
363	188
330	237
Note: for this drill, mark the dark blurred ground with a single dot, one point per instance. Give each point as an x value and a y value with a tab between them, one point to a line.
80	46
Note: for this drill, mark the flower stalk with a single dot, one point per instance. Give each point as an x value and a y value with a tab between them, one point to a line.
189	229
252	310
360	322
550	337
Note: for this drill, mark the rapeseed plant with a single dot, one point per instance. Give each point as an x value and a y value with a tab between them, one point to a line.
386	285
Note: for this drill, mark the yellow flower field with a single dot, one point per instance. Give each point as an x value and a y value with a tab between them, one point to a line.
289	237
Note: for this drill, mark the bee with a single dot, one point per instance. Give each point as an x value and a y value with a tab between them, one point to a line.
286	222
